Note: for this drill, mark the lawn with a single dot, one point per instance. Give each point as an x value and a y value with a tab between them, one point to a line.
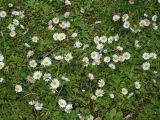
79	60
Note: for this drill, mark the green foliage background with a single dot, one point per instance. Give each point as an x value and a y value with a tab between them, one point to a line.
144	105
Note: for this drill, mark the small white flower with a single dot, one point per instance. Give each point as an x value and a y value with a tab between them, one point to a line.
68	108
115	58
11	27
119	48
62	103
111	96
68	57
154	18
124	91
100	46
116	17
130	95
37	75
121	58
38	106
47	77
61	36
67	2
15	22
103	39
126	24
110	39
94	55
97	39
107	59
126	55
1	58
10	5
137	85
112	66
32	63
153	55
32	102
125	17
93	97
46	61
99	93
66	14
116	37
58	57
1	79
74	35
85	60
146	56
55	36
18	88
35	39
101	83
1	65
146	66
3	14
91	76
55	83
55	20
12	33
27	45
78	44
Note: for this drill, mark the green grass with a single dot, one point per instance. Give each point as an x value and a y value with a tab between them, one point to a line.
143	105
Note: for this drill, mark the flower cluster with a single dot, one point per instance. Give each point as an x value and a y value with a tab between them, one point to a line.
37	105
63	104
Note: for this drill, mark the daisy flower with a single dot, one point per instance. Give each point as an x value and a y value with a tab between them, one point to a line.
111	95
126	55
68	108
18	88
116	17
107	59
46	61
146	66
32	63
3	14
62	103
99	93
68	57
61	36
74	35
1	57
125	17
146	56
37	75
103	39
112	66
137	85
101	83
55	36
1	65
97	39
55	20
55	83
35	39
126	24
91	76
12	33
124	91
47	77
38	106
67	2
110	39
